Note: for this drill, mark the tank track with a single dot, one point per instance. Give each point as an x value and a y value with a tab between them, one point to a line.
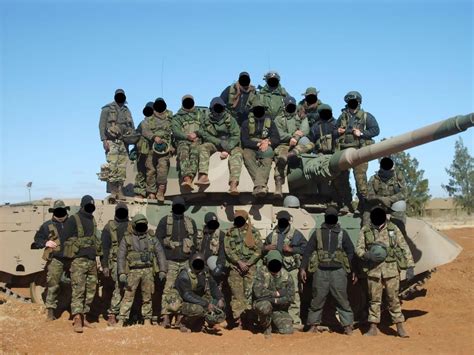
409	289
4	290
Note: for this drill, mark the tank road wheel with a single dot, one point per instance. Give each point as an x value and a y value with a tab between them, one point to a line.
36	292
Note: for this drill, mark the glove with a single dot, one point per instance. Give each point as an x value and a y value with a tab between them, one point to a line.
123	279
410	273
106	272
162	276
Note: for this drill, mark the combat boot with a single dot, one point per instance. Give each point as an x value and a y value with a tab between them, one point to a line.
372	330
166	323
50	314
278	188
77	323
268	332
111	320
348	330
401	331
178	321
233	188
203	180
160	196
187	183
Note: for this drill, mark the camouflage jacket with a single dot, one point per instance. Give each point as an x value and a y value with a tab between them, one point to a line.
238	104
224	134
309	111
185	122
361	120
112	116
389	235
394	188
157	125
266	285
291	237
287	124
273	99
236	250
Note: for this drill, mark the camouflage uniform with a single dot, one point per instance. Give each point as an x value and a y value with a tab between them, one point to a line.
84	283
385	273
239	100
273	100
242	244
185	122
269	307
309	111
220	135
139	187
115	121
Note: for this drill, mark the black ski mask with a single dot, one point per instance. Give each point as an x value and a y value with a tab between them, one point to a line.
378	216
259	111
120	98
325	115
59	212
160	106
244	80
353	104
197	265
188	103
311	99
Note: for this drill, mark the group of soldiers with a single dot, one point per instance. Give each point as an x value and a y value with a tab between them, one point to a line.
245	125
265	275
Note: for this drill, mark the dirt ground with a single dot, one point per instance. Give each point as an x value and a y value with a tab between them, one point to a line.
440	322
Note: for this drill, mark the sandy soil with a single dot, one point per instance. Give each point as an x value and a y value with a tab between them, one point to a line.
440	322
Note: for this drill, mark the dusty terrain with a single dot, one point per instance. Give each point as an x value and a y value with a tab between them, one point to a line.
440	322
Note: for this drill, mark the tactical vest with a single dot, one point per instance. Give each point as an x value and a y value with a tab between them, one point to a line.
320	256
192	123
163	131
140	259
194	280
233	93
394	251
187	243
324	143
348	140
298	121
388	188
239	245
118	123
265	131
214	241
113	226
53	235
311	114
209	126
274	100
73	245
290	262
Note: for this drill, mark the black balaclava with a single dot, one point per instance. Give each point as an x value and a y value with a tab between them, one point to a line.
311	99
141	227
121	212
353	104
211	221
283	223
217	107
378	216
160	105
88	204
290	108
148	109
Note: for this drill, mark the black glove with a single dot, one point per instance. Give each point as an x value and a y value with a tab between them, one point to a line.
410	273
162	276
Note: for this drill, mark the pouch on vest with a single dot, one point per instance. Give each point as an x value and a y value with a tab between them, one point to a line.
70	248
313	262
187	245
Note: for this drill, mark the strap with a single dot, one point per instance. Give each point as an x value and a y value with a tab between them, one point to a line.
339	240
169	226
319	239
79	226
188	224
113	231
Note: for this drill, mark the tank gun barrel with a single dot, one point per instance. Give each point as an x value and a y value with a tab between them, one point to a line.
351	157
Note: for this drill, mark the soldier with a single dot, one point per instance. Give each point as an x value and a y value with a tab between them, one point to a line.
142	149
115	123
329	255
274	292
291	244
81	244
202	298
157	131
176	233
324	136
140	256
210	242
386	188
220	133
384	252
50	236
185	127
273	94
293	132
243	248
239	96
112	235
259	136
356	129
308	107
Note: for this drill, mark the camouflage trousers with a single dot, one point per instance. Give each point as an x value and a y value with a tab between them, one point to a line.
392	286
188	158
83	283
360	176
332	281
259	169
134	278
269	314
295	306
234	160
342	189
281	157
241	288
117	159
157	168
139	188
118	292
170	302
56	267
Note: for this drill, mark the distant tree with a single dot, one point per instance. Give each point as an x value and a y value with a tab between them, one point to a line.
417	186
461	181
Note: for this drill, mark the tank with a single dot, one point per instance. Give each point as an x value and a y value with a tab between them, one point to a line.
22	273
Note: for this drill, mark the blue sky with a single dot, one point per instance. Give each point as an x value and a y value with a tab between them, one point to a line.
62	60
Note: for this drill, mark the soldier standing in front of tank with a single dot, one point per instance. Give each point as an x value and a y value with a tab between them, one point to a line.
176	233
384	252
239	96
308	107
272	95
220	133
324	136
116	121
157	131
356	129
259	136
291	243
328	255
293	131
82	244
112	235
243	249
50	236
185	127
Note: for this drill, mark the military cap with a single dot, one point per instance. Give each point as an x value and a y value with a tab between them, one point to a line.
188	96
244	73
289	100
119	91
330	211
139	218
311	91
272	74
291	201
159	99
58	204
324	107
283	215
216	101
